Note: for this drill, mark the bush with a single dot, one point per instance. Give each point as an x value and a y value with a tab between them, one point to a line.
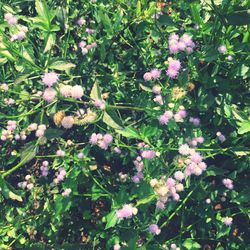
124	125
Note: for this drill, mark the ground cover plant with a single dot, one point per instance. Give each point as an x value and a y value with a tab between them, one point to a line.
124	124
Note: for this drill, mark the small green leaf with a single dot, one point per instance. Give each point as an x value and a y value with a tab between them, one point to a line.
61	65
244	128
111	219
95	92
52	133
112	120
128	132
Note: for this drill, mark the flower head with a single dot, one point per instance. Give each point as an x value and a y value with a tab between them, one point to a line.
50	78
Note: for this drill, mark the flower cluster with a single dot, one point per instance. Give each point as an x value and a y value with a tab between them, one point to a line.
28	183
86	48
126	211
178	116
183	43
152	75
103	141
174	67
100	104
10	19
158	97
139	167
44	168
66	192
154	229
228	183
71	91
60	175
220	136
20	35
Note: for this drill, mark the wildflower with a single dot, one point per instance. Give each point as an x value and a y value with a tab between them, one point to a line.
117	150
195	121
60	152
155	73
65	90
67	122
77	92
50	78
93	139
179	176
222	49
147	76
126	211
157	89
184	149
148	154
230	58
80	155
10	18
154	229
158	99
107	138
39	133
228	183
116	247
81	21
66	192
49	94
99	104
32	127
228	221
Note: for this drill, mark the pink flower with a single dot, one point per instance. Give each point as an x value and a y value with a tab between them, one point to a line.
158	99
77	92
173	48
107	138
174	65
222	49
60	152
228	221
93	139
66	192
173	246
99	104
67	122
170	182
154	229
80	155
65	90
228	183
49	94
147	76
117	150
172	73
208	201
184	149
81	21
195	121
126	211
39	133
160	205
163	119
135	179
157	89
179	176
155	73
116	247
49	79
148	154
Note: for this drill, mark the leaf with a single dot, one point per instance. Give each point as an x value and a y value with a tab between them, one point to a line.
50	41
52	133
21	78
61	65
7	193
95	92
145	88
195	11
165	20
112	120
128	132
239	18
138	8
190	244
244	128
214	171
111	219
28	152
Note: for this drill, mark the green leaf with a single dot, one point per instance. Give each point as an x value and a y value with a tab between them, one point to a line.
138	8
111	219
190	244
195	11
145	88
50	42
95	92
61	65
52	133
28	152
128	132
244	128
239	18
112	120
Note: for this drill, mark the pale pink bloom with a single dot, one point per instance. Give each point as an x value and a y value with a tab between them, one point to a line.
181	46
222	138
4	86
176	197
154	229
174	65
148	154
126	211
230	58
173	246
66	192
196	157
158	99
90	31
45	163
135	179
21	35
199	139
42	127
84	51
228	183
184	149
116	247
172	73
39	133
81	21
228	221
160	205
170	182
222	49
65	90
179	187
93	139
49	94
195	121
173	36
50	78
107	138
117	150
60	152
33	126
179	176
80	155
208	201
157	89
173	48
155	73
99	104
163	119
147	76
168	114
30	186
82	44
77	92
202	165
17	137
67	122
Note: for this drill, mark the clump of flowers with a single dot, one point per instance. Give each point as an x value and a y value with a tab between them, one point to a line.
222	49
184	43
220	136
28	183
50	78
103	141
86	48
60	175
20	35
174	67
178	116
100	104
139	167
10	19
66	192
154	229
228	183
152	75
44	168
228	221
127	211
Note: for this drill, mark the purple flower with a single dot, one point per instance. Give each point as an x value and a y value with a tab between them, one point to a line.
154	229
